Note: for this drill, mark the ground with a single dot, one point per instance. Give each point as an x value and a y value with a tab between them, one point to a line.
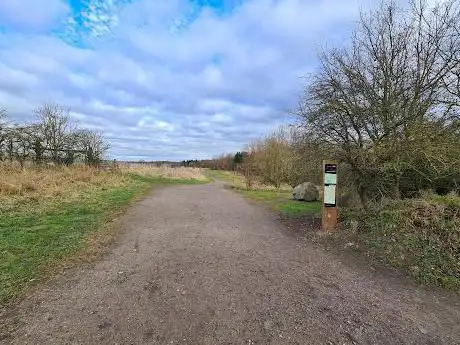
200	265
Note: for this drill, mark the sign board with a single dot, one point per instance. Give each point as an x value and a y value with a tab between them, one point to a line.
330	168
329	195
330	211
330	178
330	184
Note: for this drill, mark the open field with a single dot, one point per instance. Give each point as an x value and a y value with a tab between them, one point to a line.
279	199
48	215
165	171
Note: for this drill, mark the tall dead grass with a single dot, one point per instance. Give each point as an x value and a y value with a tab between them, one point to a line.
38	186
166	171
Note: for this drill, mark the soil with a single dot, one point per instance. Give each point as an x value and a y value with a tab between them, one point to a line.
201	265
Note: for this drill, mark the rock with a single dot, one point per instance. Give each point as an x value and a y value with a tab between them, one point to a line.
306	191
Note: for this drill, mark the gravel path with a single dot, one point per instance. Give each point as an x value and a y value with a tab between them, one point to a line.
200	265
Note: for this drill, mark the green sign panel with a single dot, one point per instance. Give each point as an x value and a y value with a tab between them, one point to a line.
330	178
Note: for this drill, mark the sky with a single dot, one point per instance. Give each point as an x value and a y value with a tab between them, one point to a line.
167	79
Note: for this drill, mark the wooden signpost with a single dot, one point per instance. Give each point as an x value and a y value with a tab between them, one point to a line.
330	210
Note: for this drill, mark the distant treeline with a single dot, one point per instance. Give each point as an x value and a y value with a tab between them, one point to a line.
224	162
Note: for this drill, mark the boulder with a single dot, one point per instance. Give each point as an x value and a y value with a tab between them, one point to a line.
306	191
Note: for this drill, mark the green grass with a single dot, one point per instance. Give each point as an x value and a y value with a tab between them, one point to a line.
226	176
32	243
278	200
282	202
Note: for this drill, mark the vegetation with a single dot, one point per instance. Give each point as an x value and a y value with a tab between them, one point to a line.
53	137
278	199
387	108
282	202
419	236
229	177
50	215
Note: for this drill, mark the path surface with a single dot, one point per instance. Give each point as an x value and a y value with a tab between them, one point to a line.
200	265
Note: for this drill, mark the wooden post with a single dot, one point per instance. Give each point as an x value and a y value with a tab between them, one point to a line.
330	210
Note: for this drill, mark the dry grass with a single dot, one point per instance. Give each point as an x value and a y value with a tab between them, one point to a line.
21	188
419	236
165	171
39	186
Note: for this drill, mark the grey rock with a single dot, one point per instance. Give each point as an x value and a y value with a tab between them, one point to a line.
306	191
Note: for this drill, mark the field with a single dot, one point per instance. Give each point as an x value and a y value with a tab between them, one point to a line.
278	199
50	217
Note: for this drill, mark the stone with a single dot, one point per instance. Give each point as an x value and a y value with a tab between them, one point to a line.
306	191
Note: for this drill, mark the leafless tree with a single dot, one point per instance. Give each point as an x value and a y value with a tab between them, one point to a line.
370	102
55	126
53	137
93	144
3	124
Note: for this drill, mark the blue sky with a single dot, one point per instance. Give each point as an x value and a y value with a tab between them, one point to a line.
167	79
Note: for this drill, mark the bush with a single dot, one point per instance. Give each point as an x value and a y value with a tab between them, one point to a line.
419	236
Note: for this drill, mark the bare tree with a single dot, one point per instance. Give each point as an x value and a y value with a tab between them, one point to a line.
3	139
54	137
368	101
55	125
18	143
93	144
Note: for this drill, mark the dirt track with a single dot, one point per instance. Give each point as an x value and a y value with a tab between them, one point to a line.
200	265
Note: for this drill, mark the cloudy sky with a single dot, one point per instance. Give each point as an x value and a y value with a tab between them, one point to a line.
167	79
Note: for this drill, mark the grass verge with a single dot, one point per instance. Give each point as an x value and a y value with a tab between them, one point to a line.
421	237
228	177
34	241
282	202
279	200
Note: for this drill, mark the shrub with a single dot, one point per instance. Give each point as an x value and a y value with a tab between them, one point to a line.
420	236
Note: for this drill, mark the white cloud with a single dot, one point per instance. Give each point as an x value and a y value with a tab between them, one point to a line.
32	14
166	85
148	122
